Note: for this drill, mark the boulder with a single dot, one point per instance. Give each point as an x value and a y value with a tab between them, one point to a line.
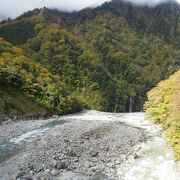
61	165
54	172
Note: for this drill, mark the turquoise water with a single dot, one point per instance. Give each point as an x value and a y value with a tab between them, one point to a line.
15	145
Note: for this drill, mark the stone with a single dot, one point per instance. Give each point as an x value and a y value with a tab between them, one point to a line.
76	160
136	156
31	172
86	164
13	177
61	165
43	178
39	168
47	171
110	165
66	141
71	153
20	174
54	172
53	163
93	153
98	168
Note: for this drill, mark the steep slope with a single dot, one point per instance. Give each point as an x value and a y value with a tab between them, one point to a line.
149	20
66	56
109	56
133	43
14	104
20	74
17	32
129	55
163	106
162	20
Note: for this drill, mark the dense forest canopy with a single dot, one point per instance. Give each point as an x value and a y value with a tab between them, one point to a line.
19	72
106	58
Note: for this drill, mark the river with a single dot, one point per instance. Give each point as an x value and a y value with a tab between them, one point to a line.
154	160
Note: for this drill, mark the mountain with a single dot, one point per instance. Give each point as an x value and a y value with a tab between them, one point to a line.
109	57
28	88
63	55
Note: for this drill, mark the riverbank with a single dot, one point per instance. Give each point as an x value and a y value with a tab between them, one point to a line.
89	145
86	145
12	129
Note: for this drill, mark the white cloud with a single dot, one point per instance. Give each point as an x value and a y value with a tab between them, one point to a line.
13	8
149	2
9	8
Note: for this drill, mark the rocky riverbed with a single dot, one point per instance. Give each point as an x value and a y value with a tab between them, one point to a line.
10	129
88	145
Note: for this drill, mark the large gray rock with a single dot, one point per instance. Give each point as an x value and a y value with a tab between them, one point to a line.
61	165
54	172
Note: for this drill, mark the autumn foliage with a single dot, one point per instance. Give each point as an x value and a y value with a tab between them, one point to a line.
163	106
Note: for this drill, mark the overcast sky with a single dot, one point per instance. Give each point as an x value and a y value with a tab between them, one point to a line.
13	8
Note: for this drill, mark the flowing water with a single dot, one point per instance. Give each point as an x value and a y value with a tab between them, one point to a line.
155	162
13	146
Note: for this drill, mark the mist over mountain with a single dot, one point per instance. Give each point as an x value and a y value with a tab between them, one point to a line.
149	3
8	10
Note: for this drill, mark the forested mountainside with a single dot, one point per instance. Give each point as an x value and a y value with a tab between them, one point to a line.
108	57
28	88
163	105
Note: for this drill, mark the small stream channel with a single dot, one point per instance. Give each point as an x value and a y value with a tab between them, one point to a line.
15	145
